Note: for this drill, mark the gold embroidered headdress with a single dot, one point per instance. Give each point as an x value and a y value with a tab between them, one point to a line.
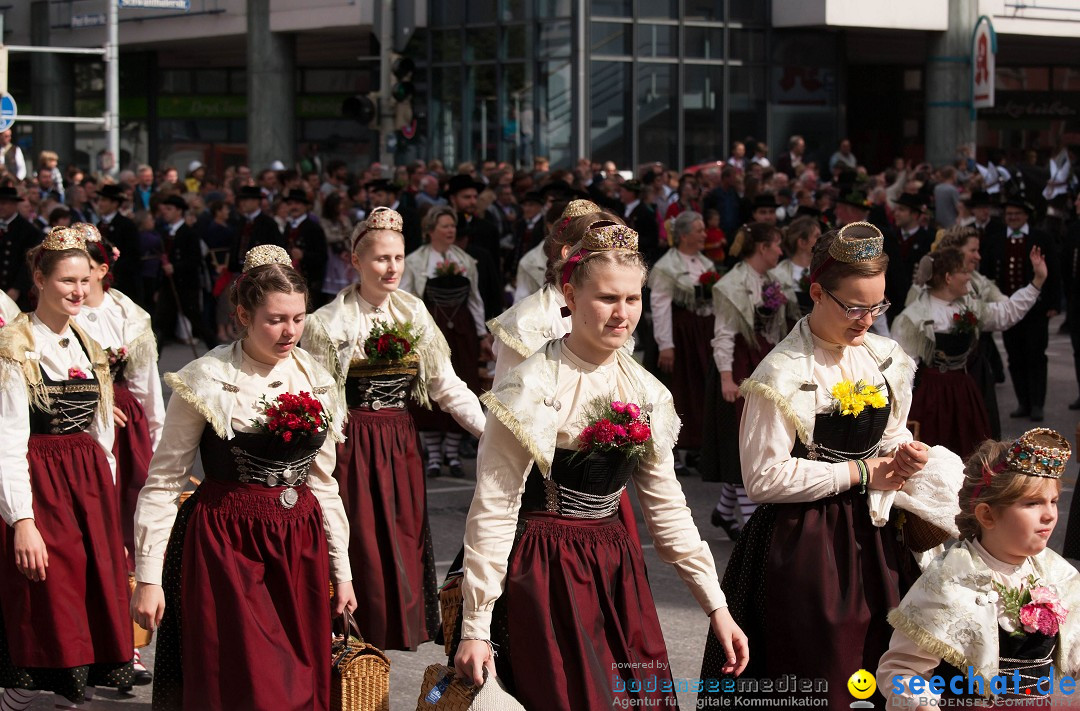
857	242
383	218
602	236
1040	452
266	254
62	238
90	233
575	209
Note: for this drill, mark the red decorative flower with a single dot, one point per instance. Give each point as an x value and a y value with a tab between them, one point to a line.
389	343
76	374
709	278
613	425
290	416
639	432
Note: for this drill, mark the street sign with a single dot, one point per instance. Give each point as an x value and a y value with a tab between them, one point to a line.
8	111
184	5
92	19
983	50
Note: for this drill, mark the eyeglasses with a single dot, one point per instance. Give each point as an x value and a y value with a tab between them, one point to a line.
854	313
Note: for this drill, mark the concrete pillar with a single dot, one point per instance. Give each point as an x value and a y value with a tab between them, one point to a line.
52	92
948	85
271	90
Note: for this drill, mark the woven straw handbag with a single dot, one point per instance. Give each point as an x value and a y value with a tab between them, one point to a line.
450	607
442	690
360	673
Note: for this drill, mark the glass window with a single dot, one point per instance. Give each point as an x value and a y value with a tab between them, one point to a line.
481	45
747	45
611	8
516	126
175	81
657	41
445	118
746	114
1022	78
446	45
211	81
703	113
485	134
668	9
447	13
334	81
513	41
556	120
481	11
610	38
555	39
704	42
1066	79
554	8
705	10
657	117
510	10
610	112
238	81
748	11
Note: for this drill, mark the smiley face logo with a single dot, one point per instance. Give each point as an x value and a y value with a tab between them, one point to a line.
862	684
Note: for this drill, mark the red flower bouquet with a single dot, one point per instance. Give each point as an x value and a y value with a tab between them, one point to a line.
707	279
1031	608
291	416
449	268
612	425
117	356
77	374
965	322
389	343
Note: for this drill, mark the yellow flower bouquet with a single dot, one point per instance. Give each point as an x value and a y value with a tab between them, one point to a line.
851	398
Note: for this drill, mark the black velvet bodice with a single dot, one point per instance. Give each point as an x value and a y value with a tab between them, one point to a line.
837	435
951	350
447	291
1031	654
599	474
374	387
74	403
259	457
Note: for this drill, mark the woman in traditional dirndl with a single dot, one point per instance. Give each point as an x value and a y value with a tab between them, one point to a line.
752	313
64	588
446	279
941	330
682	314
551	577
379	470
239	588
824	420
793	273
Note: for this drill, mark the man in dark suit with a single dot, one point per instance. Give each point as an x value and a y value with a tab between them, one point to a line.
639	216
124	235
480	239
258	227
305	241
385	193
528	231
905	245
790	163
182	265
989	226
17	235
1006	261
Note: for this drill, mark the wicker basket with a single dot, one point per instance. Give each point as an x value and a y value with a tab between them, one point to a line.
441	690
921	536
143	638
450	606
360	673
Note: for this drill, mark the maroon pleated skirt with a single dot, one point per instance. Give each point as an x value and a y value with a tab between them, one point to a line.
255	608
133	451
78	615
811	584
950	410
692	335
381	482
460	331
582	625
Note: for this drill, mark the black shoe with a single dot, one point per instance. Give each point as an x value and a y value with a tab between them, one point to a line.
681	470
456	471
467	448
1020	412
434	472
142	678
731	528
1036	414
692	459
1075	404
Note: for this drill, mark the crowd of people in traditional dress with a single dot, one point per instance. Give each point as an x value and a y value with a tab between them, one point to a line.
815	338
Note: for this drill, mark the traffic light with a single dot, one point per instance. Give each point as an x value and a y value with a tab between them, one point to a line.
403	88
360	108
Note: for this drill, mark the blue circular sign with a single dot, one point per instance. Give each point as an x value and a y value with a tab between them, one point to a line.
8	111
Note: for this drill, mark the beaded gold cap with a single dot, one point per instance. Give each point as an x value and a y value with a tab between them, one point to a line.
857	242
62	238
1039	452
606	236
577	208
383	218
265	254
90	233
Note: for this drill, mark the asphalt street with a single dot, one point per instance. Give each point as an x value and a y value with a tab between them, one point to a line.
683	623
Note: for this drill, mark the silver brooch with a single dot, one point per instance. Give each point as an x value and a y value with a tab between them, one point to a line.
553	403
64	342
229	388
276	384
91	316
288	498
321	390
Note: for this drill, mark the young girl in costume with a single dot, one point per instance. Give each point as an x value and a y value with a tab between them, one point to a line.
999	601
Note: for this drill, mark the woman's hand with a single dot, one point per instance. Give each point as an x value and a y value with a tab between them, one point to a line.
728	388
31	556
473	655
882	474
148	605
1038	264
486	343
118	416
666	361
731	637
910	458
344	598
